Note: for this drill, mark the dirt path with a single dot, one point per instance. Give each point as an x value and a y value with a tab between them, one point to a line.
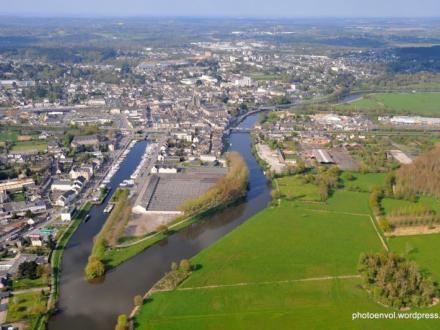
310	279
378	234
338	212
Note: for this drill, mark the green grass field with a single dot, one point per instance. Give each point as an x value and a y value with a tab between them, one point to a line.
296	250
27	283
26	306
29	146
253	272
421	248
17	196
363	182
10	136
253	278
425	104
293	187
302	305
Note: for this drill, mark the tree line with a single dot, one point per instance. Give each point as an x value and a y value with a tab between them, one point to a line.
229	188
422	177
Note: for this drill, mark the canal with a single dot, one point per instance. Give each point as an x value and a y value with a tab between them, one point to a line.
96	306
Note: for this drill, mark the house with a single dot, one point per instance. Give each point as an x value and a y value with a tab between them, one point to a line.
85	140
36	239
15	184
163	169
66	198
85	171
208	158
79	183
66	214
61	185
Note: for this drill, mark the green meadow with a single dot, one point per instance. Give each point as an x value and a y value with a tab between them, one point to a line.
421	248
280	268
301	305
294	188
362	182
424	104
29	146
292	266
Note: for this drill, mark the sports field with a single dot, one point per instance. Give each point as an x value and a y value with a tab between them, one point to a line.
424	104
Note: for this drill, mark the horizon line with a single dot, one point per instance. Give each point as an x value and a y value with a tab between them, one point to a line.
237	17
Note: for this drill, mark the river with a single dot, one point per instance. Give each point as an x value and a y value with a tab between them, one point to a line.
96	306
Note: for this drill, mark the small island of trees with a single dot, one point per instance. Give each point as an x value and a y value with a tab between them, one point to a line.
395	281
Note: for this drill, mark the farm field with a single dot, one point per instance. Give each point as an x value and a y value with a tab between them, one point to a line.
424	104
253	277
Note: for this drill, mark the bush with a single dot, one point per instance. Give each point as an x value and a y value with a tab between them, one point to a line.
95	268
138	300
122	322
185	265
385	225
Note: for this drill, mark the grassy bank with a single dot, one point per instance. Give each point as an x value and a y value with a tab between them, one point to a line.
57	254
109	234
113	257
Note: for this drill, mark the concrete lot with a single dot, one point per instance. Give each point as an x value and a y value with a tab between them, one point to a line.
271	157
165	192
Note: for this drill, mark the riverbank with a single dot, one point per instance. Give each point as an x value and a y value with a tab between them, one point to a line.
229	190
140	272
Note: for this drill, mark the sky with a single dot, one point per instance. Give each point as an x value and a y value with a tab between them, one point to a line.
223	8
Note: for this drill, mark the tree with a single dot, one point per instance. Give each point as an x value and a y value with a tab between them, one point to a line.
95	268
323	192
122	322
28	269
162	229
138	300
185	265
385	225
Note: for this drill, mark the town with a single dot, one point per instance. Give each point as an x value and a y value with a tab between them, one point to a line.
122	148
